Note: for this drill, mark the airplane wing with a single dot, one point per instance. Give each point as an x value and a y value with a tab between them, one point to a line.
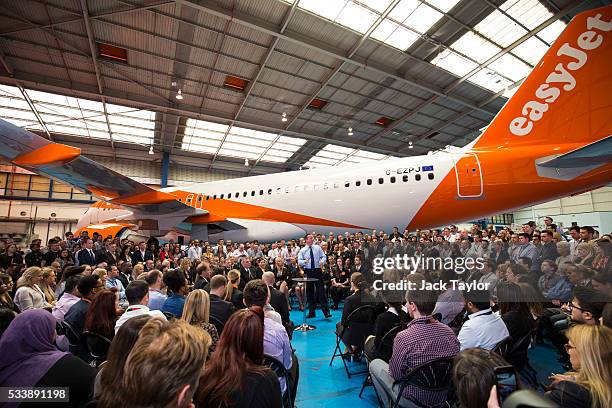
65	163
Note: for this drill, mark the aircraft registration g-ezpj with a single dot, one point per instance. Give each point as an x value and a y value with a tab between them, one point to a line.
551	139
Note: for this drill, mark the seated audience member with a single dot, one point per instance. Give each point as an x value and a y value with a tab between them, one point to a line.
587	305
606	317
276	341
29	358
203	274
584	254
219	308
603	283
361	325
232	292
68	271
163	367
137	295
602	263
278	300
549	277
29	295
6	287
450	301
234	376
88	287
47	285
515	313
176	282
423	340
110	373
112	281
157	297
483	328
197	312
102	314
340	283
69	298
393	316
6	317
588	385
561	291
489	277
580	275
474	376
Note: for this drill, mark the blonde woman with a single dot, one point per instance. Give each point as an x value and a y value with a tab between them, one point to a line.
232	293
137	270
584	254
196	312
590	351
47	284
29	295
102	273
185	267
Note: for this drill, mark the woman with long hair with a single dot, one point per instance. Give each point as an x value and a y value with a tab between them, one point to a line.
234	377
516	314
185	267
125	254
232	293
65	258
29	295
584	254
603	256
102	314
47	284
110	373
10	256
340	283
588	385
196	312
6	286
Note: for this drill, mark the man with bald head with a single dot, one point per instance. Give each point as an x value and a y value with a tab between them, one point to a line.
277	299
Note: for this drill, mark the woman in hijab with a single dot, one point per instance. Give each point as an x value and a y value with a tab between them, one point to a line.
32	360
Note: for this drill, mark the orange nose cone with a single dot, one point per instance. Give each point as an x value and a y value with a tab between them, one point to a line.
51	153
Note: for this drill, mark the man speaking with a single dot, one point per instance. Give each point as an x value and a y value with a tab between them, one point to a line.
312	258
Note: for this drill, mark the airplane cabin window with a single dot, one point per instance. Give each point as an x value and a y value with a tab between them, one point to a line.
214	197
221	197
381	180
358	183
269	191
260	192
244	194
207	198
253	193
199	198
180	200
369	182
405	178
347	184
229	195
392	179
430	176
417	177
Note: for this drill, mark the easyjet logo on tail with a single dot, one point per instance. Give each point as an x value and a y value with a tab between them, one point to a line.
561	77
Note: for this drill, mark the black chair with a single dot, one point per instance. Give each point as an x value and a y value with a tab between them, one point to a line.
503	347
218	323
97	345
281	372
74	338
389	335
370	312
169	315
434	375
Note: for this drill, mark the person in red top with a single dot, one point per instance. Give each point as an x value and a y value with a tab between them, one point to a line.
423	340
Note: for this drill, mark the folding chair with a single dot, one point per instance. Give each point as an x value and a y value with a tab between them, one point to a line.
368	310
281	372
434	375
503	347
97	345
74	338
217	323
388	336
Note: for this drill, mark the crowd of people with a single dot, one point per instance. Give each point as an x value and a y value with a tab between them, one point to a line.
204	323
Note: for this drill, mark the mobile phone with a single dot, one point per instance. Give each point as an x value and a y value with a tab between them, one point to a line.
505	381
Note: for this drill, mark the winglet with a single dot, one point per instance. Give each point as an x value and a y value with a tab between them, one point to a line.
51	153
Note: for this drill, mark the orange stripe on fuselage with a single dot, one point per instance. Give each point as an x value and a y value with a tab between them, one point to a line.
222	208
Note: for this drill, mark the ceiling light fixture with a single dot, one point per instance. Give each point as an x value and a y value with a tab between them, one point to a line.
350	131
179	95
284	117
151	150
246	162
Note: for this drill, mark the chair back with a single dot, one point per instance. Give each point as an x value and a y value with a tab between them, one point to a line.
363	314
434	375
74	338
169	315
281	372
387	338
97	345
218	323
503	347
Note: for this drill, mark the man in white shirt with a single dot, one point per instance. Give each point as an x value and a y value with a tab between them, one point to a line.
240	251
137	294
112	281
484	328
156	296
274	252
195	252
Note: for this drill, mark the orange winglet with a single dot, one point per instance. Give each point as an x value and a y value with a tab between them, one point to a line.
149	197
51	153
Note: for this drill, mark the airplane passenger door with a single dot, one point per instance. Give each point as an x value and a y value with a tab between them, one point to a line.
469	176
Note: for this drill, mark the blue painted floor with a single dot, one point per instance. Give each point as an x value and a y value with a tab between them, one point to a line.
323	386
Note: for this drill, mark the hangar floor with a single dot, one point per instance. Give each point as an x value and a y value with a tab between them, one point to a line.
323	386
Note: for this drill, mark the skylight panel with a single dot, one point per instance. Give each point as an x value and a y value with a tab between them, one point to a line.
510	67
369	155
530	13
490	80
239	152
499	28
475	47
394	35
444	5
423	18
403	10
453	62
337	149
329	9
203	136
246	142
531	50
550	33
8	113
334	155
356	17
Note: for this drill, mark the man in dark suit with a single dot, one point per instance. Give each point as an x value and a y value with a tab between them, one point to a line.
86	255
142	254
247	272
203	272
109	255
278	300
220	310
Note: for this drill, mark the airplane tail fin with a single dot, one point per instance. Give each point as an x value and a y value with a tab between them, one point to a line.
566	100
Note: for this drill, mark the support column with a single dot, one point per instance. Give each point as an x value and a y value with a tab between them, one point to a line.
165	169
